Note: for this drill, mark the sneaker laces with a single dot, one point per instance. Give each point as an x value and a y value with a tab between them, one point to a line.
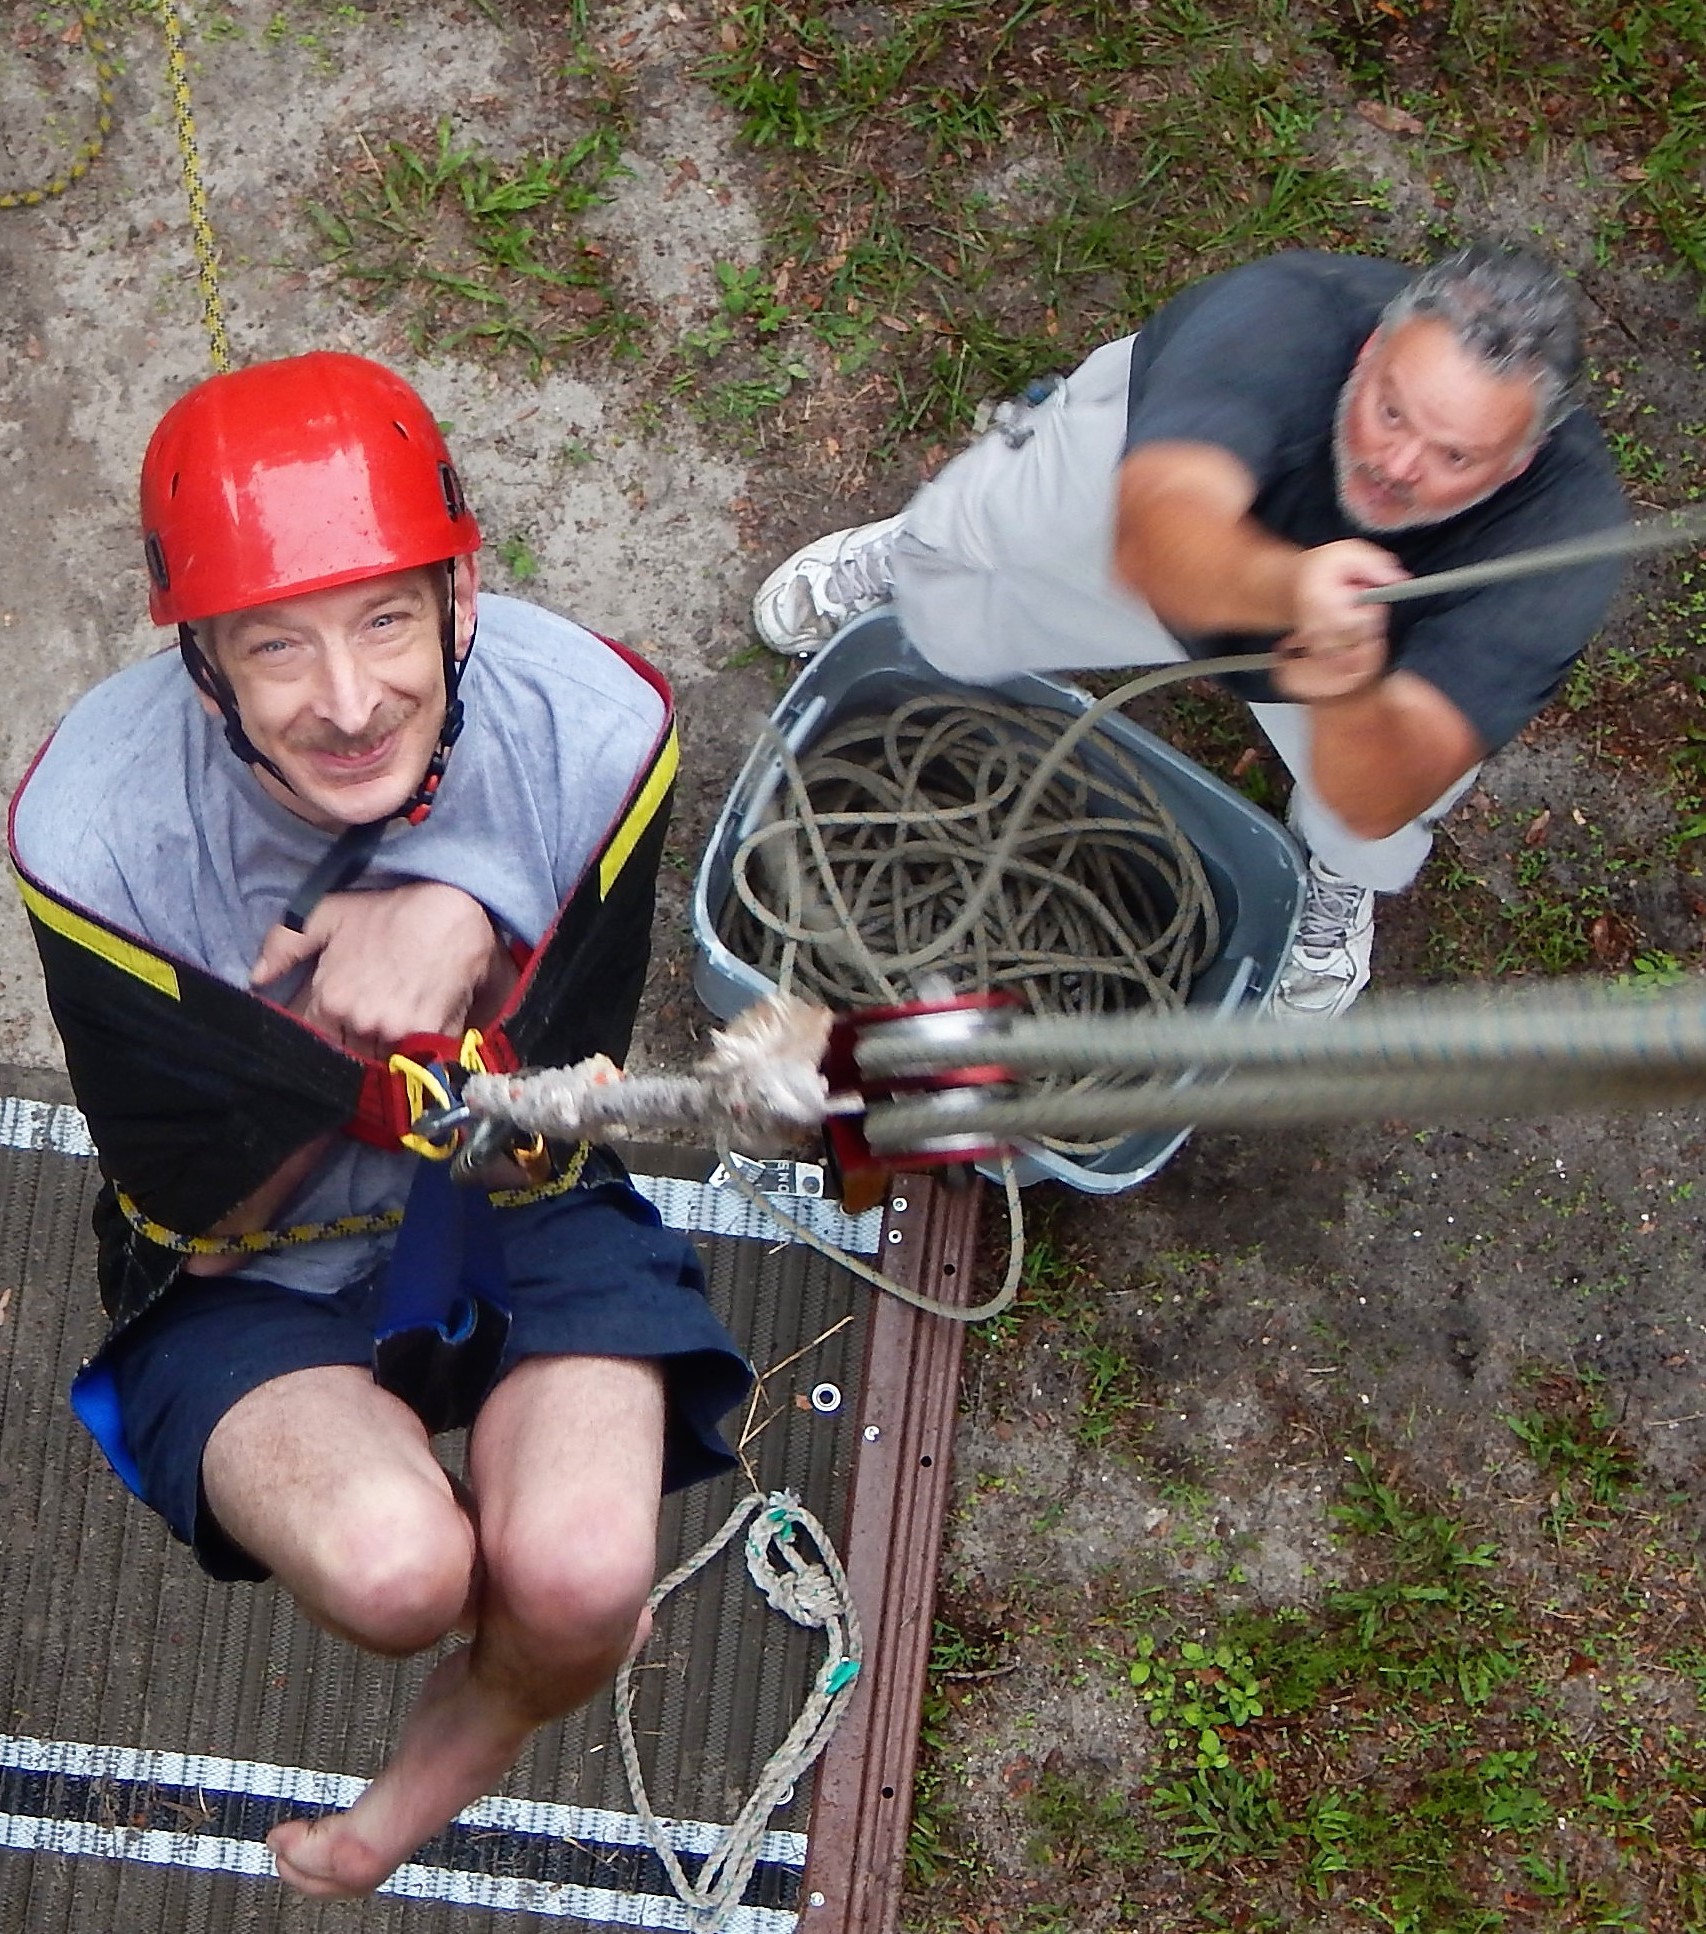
861	577
1330	907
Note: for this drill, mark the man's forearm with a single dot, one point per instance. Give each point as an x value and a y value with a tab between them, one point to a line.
1185	545
1381	756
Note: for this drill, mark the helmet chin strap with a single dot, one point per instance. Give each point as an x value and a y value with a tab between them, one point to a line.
345	860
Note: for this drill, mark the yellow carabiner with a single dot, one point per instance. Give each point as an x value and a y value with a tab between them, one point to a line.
423	1089
533	1158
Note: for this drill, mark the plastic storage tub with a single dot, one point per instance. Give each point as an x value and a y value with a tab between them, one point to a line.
1254	867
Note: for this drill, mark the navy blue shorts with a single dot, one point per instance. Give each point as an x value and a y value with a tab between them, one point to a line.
591	1273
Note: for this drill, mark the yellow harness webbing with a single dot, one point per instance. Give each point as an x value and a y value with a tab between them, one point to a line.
258	1241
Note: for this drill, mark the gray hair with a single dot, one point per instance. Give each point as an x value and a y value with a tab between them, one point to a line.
1512	309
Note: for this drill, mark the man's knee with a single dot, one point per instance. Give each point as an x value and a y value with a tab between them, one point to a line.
578	1592
395	1568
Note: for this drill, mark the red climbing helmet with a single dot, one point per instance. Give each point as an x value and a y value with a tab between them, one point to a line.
294	476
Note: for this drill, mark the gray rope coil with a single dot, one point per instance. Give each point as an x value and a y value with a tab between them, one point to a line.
968	839
810	1593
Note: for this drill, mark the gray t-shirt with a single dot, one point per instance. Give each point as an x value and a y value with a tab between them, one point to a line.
139	812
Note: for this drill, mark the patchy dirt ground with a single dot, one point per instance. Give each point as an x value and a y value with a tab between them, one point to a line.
1156	1443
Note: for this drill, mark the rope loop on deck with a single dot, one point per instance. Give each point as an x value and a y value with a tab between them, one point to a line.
811	1592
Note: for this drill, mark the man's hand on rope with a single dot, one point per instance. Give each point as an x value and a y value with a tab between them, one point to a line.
416	959
1337	646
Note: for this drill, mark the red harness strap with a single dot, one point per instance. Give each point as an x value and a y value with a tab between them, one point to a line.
382	1116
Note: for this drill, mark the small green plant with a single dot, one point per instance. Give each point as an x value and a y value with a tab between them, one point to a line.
485	254
1574	1439
1221	1815
1653	970
746	296
1196	1693
517	558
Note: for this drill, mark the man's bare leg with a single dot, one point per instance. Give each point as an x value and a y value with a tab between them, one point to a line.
331	1483
565	1462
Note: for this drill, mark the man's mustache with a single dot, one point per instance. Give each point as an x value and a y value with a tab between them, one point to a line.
351	745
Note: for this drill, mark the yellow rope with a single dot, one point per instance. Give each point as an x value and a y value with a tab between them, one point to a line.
258	1241
201	229
83	159
207	259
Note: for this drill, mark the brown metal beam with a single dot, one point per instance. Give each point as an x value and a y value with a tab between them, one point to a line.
863	1804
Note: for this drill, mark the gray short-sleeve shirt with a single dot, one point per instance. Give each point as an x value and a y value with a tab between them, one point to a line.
139	812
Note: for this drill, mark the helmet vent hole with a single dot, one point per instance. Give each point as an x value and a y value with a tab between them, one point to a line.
399	429
156	555
177	478
451	485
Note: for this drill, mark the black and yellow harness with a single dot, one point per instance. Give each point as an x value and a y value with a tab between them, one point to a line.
197	1091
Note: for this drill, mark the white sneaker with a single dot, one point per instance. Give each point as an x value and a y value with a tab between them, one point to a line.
803	603
1329	961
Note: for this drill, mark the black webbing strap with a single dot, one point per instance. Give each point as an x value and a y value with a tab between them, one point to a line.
344	861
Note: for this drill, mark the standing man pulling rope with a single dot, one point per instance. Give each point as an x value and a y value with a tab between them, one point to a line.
1276	441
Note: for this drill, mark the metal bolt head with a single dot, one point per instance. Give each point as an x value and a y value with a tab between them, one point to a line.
872	1433
899	1205
816	1899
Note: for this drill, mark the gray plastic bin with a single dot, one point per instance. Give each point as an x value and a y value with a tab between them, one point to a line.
1254	867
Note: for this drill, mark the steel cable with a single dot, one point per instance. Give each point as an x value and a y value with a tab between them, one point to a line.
1435	1054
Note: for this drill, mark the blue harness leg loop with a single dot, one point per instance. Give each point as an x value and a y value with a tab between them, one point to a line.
444	1307
94	1402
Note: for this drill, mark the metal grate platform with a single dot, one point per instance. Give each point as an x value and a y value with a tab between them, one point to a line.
154	1727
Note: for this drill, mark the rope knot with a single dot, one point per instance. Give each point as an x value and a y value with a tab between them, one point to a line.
808	1597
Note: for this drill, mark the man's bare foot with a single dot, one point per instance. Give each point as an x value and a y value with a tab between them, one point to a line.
454	1749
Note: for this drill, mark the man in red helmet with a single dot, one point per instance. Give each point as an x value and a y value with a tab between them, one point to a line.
298	1302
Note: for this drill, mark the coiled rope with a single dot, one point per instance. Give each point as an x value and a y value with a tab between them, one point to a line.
814	1594
970	838
85	155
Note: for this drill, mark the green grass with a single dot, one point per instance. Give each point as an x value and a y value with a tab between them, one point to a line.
936	1844
516	555
905	243
1063	1304
479	254
1397	1754
1574	1439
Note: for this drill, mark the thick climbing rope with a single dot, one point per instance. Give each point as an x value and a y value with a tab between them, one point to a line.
811	1594
89	150
761	1078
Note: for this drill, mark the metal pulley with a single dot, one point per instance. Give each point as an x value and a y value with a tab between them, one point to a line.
966	1030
